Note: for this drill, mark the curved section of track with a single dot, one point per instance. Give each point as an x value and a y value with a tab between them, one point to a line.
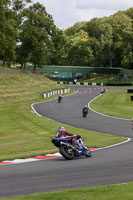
107	166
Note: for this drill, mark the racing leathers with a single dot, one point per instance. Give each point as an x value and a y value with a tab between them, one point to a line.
64	133
85	109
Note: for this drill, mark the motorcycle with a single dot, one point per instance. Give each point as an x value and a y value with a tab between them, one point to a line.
59	99
85	113
103	91
68	151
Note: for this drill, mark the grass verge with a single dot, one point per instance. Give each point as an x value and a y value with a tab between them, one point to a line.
117	192
114	104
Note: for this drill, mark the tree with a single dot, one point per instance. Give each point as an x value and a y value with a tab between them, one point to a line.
100	32
127	53
58	54
9	12
72	31
8	33
79	50
122	34
37	33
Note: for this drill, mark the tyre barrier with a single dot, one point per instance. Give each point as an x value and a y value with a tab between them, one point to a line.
49	94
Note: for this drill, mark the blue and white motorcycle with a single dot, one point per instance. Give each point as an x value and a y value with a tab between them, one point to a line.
68	151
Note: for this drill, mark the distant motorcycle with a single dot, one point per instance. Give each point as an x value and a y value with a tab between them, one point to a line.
103	91
59	99
68	151
85	112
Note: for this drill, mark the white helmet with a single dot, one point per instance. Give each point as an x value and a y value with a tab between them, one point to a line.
61	128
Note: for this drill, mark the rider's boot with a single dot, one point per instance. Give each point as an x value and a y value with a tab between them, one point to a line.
75	145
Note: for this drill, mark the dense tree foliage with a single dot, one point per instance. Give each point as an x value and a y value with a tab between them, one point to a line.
36	36
28	34
8	33
110	40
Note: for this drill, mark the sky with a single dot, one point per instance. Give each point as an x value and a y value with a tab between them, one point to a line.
66	13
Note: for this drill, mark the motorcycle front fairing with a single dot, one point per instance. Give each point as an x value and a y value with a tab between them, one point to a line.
80	152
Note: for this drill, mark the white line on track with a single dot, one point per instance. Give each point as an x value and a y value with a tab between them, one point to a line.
128	139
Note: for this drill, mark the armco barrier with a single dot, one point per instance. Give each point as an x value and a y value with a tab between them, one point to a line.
119	84
94	84
130	91
49	94
131	98
80	83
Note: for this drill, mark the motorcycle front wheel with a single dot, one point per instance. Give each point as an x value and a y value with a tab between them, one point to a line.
66	152
87	153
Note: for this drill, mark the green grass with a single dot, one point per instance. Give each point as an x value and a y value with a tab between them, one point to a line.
110	192
114	104
23	133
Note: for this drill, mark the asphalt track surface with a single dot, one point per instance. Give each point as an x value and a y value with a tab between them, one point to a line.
107	166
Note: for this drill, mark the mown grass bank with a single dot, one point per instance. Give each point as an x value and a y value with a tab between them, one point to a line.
114	103
110	192
24	134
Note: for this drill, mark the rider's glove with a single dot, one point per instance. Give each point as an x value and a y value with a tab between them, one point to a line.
78	136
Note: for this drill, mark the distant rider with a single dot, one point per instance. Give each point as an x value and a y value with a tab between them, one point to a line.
85	109
59	98
103	90
61	132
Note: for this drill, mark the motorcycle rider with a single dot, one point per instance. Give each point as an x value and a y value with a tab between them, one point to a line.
85	109
59	98
103	90
61	132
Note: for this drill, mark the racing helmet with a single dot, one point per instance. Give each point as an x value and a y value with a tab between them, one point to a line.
61	128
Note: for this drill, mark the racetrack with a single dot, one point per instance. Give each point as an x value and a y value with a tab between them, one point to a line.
106	166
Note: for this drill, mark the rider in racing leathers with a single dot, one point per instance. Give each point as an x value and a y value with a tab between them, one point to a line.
59	98
85	109
61	132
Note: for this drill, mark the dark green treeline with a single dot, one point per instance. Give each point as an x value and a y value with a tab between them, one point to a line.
28	34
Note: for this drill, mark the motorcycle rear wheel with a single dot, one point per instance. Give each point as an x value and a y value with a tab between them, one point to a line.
87	153
66	152
84	114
